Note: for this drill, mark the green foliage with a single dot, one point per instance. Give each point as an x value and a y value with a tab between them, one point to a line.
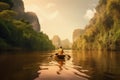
101	6
4	29
102	2
4	6
8	1
3	44
114	5
104	32
20	34
7	14
107	22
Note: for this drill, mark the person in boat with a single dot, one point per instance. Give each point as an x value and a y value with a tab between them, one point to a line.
60	51
61	55
61	59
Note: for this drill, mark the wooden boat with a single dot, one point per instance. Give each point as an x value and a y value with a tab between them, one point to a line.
60	57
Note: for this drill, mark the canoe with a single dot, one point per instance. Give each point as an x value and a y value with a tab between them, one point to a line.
60	57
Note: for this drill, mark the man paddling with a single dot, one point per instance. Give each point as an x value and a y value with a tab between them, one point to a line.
60	51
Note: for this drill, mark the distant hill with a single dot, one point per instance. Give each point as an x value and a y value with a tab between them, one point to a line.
66	44
57	42
103	31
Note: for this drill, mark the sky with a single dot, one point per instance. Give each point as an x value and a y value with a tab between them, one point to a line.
62	17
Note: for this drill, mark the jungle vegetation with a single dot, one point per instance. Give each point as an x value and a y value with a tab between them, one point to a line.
103	31
19	34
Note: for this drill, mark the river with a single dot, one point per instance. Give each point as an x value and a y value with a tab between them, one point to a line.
83	65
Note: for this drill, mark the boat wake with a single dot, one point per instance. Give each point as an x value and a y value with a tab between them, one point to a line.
59	70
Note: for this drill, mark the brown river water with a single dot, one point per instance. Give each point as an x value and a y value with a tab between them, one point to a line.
83	65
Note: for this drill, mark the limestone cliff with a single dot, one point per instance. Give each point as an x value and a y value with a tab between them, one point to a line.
31	17
57	42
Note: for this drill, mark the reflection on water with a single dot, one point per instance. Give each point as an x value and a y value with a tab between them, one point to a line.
59	71
100	65
84	65
60	65
20	65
